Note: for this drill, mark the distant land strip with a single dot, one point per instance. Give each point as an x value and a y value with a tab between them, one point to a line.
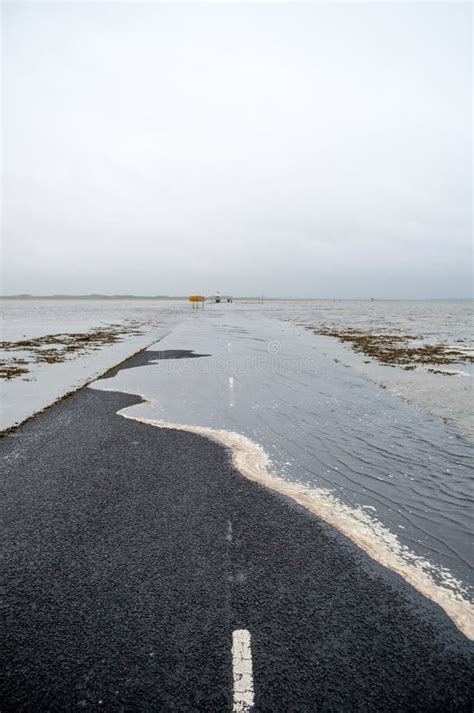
243	298
91	297
130	297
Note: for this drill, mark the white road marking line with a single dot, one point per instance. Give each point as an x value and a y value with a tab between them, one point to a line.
242	671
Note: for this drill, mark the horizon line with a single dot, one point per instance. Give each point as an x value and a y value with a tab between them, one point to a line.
257	296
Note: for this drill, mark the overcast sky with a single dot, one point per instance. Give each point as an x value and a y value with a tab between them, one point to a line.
308	150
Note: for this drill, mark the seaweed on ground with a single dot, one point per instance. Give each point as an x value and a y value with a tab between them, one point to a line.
12	368
57	348
402	350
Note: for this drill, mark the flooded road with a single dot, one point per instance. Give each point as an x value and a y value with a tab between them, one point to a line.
391	477
56	345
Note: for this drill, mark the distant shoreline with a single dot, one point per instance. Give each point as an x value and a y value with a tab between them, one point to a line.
241	298
89	297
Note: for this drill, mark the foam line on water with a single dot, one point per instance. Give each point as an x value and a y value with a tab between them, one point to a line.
367	533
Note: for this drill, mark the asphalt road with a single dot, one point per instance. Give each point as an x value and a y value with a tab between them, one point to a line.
131	554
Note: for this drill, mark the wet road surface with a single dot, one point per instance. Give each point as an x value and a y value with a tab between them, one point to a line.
323	426
132	554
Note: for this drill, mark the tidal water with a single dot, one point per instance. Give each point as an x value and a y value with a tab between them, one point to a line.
44	383
448	396
402	472
391	467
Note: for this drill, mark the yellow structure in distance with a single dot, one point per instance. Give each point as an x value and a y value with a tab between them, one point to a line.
196	299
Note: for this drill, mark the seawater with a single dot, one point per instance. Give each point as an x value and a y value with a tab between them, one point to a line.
44	383
387	474
380	464
448	396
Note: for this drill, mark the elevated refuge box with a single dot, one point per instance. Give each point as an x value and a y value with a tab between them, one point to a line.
196	300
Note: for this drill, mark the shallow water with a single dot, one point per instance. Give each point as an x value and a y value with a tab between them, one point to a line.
392	477
448	396
44	383
27	318
322	425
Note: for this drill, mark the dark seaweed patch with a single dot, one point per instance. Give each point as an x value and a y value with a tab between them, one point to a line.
13	367
56	348
397	349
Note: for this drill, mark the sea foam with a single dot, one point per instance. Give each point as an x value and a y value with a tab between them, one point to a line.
381	544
